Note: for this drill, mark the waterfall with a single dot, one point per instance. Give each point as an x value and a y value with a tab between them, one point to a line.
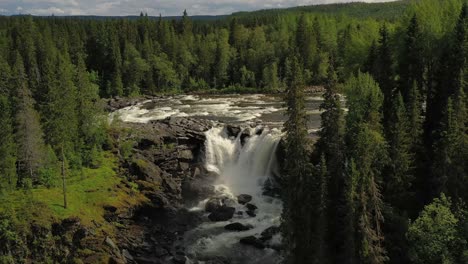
243	168
243	165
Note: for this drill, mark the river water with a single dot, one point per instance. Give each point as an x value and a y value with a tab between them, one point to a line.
244	165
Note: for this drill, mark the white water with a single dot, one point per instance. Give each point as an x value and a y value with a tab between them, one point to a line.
242	170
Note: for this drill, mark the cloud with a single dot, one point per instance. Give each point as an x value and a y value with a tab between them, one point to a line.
152	7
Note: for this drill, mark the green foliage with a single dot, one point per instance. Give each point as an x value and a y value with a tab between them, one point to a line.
433	236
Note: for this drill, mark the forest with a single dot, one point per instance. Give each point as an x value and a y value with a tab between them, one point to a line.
387	180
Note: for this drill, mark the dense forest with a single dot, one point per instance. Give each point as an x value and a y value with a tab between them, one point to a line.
387	180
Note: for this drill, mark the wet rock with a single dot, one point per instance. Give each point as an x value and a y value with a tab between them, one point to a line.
160	252
179	259
243	137
238	227
244	198
268	233
251	213
251	207
229	202
196	189
233	131
252	241
213	204
223	213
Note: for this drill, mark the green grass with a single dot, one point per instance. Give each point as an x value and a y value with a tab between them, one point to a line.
86	196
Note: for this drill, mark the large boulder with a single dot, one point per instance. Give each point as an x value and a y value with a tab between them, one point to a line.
213	204
233	131
244	198
196	189
238	227
268	233
223	213
252	241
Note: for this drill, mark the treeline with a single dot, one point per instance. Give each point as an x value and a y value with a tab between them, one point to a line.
54	70
387	182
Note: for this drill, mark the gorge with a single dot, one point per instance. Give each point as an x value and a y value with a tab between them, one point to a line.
228	174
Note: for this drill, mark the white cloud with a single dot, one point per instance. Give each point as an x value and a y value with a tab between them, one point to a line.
152	7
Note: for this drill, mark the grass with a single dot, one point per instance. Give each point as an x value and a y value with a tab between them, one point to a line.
86	196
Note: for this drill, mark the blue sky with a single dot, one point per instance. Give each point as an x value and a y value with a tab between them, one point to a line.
152	7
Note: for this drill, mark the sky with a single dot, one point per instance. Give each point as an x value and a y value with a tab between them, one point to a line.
152	7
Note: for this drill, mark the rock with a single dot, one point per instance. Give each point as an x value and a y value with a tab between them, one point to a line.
179	259
79	235
243	137
160	252
111	244
268	233
238	227
145	170
233	131
128	256
259	131
251	213
252	241
186	155
244	198
196	189
213	204
184	166
251	207
229	202
223	213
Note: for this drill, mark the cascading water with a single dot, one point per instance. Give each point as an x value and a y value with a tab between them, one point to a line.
243	165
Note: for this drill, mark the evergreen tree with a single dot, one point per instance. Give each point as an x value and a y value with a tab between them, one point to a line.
297	168
61	120
411	67
88	111
30	145
398	173
8	178
330	146
366	154
384	76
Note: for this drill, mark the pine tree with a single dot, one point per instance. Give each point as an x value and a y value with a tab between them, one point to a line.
297	168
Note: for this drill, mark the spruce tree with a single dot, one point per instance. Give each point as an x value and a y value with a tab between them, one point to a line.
331	147
366	157
411	64
29	135
297	169
8	177
384	76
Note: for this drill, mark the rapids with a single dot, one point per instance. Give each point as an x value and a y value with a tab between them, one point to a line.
242	169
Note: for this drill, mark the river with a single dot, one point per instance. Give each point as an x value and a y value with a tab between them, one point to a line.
244	165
